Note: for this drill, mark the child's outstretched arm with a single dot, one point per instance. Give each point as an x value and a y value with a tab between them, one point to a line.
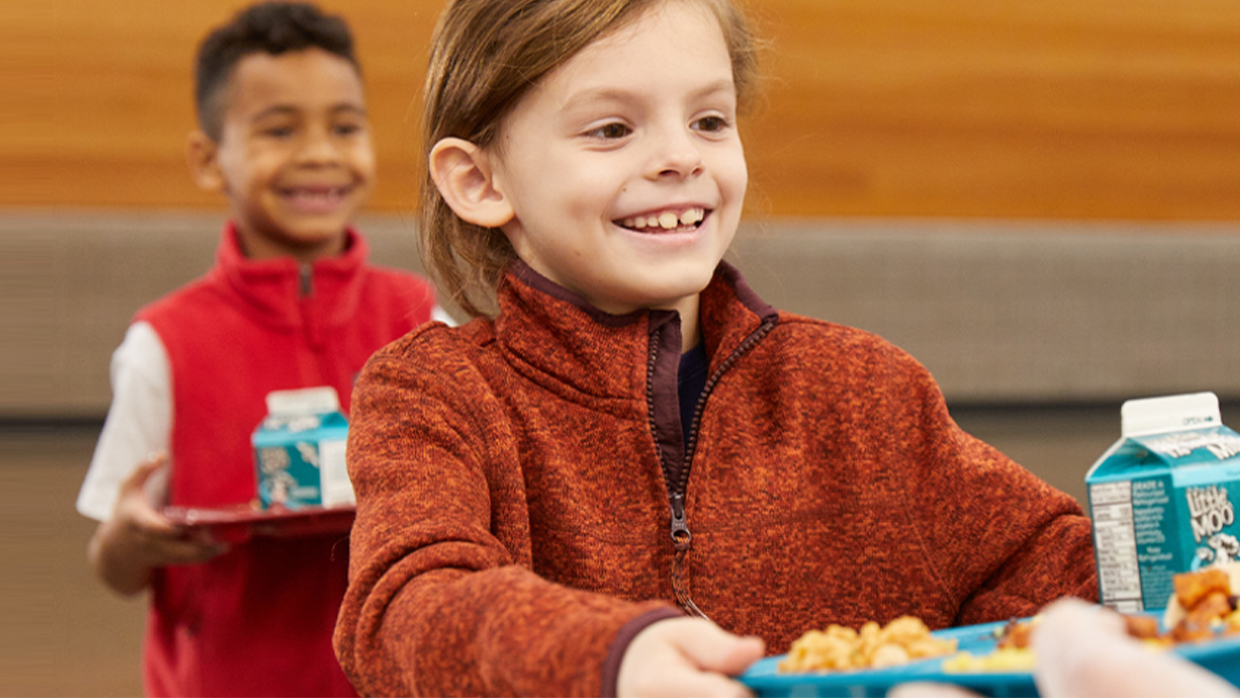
686	657
136	539
1000	541
444	597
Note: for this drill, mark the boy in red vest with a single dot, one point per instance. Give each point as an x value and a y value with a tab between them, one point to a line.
290	303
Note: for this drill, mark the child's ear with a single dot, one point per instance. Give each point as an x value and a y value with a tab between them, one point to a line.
202	155
463	174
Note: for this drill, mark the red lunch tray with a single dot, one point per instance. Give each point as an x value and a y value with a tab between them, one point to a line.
240	522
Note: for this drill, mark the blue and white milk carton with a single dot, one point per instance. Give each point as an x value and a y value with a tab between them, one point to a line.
299	450
1160	499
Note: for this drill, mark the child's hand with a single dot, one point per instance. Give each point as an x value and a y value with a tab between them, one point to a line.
686	657
137	538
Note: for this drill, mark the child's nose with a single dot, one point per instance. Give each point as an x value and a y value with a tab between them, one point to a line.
318	147
677	156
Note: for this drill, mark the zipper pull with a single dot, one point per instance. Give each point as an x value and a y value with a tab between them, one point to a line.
681	537
307	280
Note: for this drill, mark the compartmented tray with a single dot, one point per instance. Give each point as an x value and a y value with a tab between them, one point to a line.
1220	656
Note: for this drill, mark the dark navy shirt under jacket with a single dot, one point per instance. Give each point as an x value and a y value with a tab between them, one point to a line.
694	366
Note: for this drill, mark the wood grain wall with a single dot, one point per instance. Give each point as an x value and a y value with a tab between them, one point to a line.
1121	109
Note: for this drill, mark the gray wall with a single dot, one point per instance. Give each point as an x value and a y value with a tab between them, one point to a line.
999	312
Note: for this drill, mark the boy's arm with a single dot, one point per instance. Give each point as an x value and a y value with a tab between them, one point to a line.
128	546
120	488
138	425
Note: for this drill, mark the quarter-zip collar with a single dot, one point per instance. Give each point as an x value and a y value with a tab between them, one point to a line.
588	356
558	336
288	295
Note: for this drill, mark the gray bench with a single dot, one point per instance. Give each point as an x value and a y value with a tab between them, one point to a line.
1000	312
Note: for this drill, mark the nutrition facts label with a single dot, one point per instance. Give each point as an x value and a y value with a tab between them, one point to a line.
1119	575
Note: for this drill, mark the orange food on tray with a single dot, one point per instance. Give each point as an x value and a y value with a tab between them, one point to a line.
1142	627
1017	635
1192	588
1203	606
901	641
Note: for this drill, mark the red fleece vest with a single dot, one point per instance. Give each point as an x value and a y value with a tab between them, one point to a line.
258	620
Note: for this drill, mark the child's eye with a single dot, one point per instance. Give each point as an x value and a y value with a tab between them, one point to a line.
278	131
346	129
711	124
610	131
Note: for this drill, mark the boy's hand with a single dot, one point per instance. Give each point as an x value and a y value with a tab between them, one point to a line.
686	657
137	538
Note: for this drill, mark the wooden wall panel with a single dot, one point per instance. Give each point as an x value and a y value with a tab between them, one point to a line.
1124	109
108	125
1059	108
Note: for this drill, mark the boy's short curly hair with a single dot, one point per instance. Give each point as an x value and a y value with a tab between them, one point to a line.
265	27
486	55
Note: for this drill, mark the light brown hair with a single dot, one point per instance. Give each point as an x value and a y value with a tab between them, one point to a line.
485	56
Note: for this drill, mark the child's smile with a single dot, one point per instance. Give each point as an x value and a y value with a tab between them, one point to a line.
669	220
315	200
623	170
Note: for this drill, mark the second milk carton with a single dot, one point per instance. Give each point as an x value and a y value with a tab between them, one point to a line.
299	450
1162	499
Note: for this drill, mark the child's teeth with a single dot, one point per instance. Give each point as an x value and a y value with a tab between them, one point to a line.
667	220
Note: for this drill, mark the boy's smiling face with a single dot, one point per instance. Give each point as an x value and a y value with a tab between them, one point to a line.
623	168
294	158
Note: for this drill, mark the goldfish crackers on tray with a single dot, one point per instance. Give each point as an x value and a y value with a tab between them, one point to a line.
299	450
1161	499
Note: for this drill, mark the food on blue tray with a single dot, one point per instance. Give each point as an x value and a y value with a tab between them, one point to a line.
1002	660
1203	606
901	641
1013	651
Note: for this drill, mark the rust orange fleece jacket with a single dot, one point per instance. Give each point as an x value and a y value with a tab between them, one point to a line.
525	498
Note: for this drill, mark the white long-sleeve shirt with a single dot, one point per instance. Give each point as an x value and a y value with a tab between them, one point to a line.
139	421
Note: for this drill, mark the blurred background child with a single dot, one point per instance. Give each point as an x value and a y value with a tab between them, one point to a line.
291	302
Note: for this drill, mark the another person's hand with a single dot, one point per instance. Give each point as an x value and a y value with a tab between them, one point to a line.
1083	650
686	657
137	538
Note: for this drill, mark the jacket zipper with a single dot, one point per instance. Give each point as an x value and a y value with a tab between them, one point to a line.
682	537
311	322
306	275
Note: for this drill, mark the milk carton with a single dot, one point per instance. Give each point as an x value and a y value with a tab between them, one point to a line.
299	450
1160	499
